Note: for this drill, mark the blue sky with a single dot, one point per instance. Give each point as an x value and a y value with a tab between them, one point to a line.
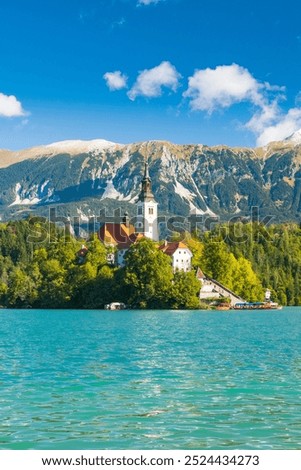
188	71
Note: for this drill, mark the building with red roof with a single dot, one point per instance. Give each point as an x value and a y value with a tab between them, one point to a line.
180	254
121	235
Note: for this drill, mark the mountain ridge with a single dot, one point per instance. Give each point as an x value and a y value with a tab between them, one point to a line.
76	147
82	177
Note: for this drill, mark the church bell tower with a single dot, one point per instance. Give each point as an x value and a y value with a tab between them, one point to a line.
147	209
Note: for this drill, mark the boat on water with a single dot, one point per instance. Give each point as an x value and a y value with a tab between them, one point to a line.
268	304
257	306
115	306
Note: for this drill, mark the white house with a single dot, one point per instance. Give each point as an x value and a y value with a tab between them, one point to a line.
180	254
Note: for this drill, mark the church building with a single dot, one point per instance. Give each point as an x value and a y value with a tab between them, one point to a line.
147	209
123	234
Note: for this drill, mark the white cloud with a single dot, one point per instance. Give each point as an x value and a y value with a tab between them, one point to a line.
298	99
212	89
268	113
283	126
10	106
149	82
221	87
147	2
270	123
115	80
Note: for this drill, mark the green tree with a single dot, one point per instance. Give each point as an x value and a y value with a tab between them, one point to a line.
245	281
197	248
21	290
3	292
184	291
97	253
215	259
54	292
101	290
147	275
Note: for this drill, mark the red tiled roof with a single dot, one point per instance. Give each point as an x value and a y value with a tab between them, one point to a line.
169	248
120	235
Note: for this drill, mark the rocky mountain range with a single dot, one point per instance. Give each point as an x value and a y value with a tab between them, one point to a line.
80	178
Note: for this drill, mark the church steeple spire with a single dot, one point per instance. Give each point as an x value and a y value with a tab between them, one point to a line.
146	171
146	193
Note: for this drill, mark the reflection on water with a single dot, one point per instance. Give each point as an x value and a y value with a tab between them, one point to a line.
145	380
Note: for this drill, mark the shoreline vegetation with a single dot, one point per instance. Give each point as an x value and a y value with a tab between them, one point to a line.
247	258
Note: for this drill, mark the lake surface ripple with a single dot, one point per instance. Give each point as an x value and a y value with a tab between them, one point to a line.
150	380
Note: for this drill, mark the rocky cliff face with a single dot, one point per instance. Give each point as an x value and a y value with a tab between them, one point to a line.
80	178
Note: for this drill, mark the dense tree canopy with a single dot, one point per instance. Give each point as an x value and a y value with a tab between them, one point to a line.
274	253
235	273
42	269
147	275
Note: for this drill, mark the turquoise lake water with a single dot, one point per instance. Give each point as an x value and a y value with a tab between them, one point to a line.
150	380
